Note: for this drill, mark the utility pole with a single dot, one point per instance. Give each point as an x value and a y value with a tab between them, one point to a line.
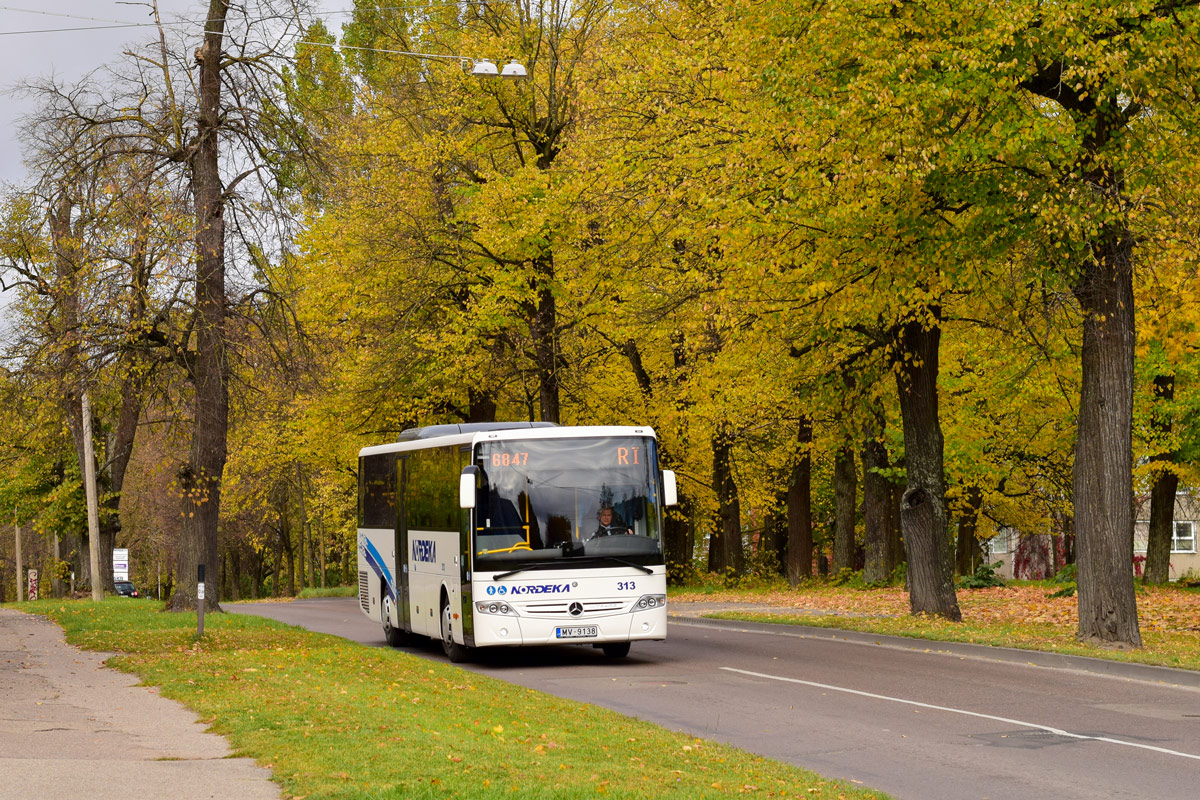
89	489
20	562
56	583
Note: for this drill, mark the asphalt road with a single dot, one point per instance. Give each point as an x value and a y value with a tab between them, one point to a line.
918	725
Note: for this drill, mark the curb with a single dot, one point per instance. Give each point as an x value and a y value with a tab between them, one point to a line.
1170	676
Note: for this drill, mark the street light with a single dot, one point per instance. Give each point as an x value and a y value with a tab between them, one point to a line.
483	69
480	68
513	70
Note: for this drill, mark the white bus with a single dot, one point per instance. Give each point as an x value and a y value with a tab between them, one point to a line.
510	534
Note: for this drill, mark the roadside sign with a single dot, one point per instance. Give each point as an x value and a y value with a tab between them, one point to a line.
120	564
32	594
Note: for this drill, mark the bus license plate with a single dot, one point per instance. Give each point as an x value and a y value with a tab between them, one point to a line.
577	632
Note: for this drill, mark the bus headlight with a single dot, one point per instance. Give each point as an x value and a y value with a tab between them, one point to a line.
648	601
495	607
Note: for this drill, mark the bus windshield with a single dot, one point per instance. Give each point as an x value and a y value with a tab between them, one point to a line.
567	500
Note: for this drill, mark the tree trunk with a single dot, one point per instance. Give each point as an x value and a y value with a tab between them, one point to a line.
1162	492
678	541
481	406
1066	526
233	558
68	263
277	570
774	536
289	547
256	584
968	554
845	495
923	505
725	546
630	350
200	478
543	328
877	514
118	452
677	536
304	557
324	552
896	555
1103	482
1162	528
307	545
799	509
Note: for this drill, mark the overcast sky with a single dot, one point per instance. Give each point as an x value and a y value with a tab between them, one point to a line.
67	39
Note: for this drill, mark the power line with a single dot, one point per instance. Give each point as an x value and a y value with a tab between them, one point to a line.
82	28
378	50
117	24
64	15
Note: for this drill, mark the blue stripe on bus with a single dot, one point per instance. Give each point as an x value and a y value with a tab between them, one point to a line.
376	563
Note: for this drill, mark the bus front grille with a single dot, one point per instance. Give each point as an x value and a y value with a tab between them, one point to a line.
563	609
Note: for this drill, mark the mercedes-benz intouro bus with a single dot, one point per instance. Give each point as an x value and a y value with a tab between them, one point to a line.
513	534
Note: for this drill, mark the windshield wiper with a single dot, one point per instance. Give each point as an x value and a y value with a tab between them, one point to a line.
576	559
620	561
524	567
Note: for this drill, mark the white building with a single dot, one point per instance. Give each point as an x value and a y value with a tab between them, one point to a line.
1185	560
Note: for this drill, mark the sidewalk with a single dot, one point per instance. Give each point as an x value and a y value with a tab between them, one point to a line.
69	727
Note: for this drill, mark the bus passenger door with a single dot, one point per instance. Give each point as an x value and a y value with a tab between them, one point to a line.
403	611
466	522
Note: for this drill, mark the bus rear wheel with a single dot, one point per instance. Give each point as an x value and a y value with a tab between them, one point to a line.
457	653
615	649
394	636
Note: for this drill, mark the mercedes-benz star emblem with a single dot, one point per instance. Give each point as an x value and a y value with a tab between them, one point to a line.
576	609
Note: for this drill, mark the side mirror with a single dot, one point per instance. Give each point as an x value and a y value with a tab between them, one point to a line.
670	490
466	486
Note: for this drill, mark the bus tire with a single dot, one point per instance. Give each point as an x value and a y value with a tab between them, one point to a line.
395	637
457	653
615	649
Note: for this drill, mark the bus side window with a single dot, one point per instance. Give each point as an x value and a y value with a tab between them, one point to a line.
377	494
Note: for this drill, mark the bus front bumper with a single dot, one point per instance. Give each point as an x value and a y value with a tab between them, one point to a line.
502	630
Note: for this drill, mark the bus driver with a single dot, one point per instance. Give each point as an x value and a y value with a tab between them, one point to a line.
610	524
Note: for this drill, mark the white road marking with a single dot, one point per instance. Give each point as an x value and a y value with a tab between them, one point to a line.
1034	725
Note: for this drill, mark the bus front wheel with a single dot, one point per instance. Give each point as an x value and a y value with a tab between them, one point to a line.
616	649
457	653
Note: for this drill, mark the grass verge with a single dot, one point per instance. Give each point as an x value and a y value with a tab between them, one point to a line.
334	719
328	591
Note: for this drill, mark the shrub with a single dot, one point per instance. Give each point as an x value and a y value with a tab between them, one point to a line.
762	566
847	577
1065	576
682	573
984	577
1190	579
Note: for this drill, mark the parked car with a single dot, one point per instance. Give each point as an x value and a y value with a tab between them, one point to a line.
126	589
